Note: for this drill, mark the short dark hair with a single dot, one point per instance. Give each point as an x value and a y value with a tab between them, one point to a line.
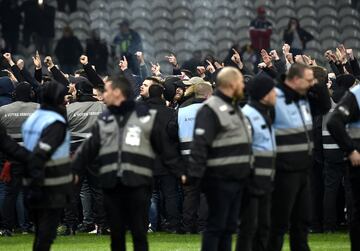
120	82
155	80
297	70
320	74
156	91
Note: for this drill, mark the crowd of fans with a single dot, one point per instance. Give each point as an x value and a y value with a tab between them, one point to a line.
172	90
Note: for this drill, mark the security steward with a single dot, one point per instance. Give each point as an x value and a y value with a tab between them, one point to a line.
82	114
48	176
221	157
12	116
125	139
347	114
298	99
194	204
255	217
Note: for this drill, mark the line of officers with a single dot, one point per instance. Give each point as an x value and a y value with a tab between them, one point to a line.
231	152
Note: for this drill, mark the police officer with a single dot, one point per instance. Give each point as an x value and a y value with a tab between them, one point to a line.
125	141
221	156
12	117
255	218
48	175
335	163
194	204
293	131
347	114
82	114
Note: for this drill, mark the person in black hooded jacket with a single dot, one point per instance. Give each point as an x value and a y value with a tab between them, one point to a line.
165	175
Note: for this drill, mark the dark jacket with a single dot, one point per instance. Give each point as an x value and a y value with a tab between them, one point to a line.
305	37
68	50
165	114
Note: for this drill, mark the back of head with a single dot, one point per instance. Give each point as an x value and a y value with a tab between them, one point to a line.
156	91
320	74
53	93
203	90
226	76
84	88
120	82
296	70
23	92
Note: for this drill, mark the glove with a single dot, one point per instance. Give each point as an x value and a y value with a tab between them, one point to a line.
5	175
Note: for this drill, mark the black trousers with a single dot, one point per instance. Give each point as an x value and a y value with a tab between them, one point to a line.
290	204
224	201
254	223
167	185
128	207
354	173
12	191
195	208
45	222
317	192
334	175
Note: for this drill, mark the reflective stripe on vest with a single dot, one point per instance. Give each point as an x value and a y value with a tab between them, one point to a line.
236	132
135	140
52	181
186	122
292	121
328	142
32	130
264	172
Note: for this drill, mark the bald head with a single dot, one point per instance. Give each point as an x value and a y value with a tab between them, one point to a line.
203	90
230	82
226	76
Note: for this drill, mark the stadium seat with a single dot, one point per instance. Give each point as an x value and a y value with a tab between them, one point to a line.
182	13
349	21
182	23
350	32
327	11
285	11
329	32
118	5
161	13
322	3
141	13
348	11
136	4
301	4
306	11
161	23
282	3
329	22
329	44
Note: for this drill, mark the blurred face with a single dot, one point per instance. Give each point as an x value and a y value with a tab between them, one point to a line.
179	94
270	98
303	84
124	29
144	88
112	97
98	95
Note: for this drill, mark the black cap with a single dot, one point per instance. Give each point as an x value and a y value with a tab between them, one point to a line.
84	88
170	88
345	81
260	86
23	92
53	93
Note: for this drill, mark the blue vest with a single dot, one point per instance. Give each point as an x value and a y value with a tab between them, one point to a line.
292	122
36	124
186	122
354	128
263	145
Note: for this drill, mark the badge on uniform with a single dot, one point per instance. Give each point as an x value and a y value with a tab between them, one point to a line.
306	113
132	137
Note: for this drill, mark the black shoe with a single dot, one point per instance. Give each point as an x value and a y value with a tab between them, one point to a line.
6	233
85	228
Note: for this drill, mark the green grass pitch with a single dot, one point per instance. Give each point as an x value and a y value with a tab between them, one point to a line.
158	242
